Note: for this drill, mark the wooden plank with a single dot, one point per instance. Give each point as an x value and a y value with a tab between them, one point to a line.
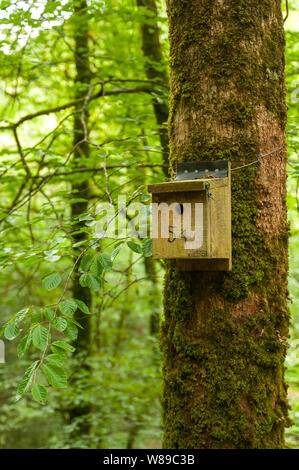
221	221
186	185
209	215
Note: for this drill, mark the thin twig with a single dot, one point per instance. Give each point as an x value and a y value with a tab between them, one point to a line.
287	11
260	157
21	152
56	109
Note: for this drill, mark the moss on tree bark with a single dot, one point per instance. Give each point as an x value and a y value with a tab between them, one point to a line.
224	336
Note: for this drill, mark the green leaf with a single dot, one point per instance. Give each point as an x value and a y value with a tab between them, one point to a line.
104	261
56	376
36	317
96	269
64	345
86	261
72	320
22	314
59	352
68	307
24	344
52	258
147	248
85	217
52	255
90	281
60	324
116	250
56	359
134	247
49	314
82	306
78	199
39	393
52	281
23	387
50	252
11	331
144	198
40	337
83	280
71	332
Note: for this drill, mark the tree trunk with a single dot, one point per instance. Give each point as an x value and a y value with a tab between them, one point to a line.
156	70
151	273
224	336
80	190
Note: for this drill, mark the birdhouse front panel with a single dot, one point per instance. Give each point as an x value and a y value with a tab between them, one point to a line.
191	219
180	225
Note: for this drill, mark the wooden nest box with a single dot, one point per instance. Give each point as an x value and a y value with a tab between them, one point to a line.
191	217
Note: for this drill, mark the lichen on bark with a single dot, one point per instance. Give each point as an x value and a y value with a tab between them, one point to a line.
224	335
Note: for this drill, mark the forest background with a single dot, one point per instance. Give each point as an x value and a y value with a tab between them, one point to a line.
84	98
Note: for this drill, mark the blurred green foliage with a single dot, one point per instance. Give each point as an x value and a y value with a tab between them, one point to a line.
292	73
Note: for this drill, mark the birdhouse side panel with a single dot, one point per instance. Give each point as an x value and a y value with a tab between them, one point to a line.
221	241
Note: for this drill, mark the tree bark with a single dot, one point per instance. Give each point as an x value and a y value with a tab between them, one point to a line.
80	190
224	336
151	273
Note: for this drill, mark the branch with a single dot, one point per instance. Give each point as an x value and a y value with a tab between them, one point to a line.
95	170
287	11
56	109
21	152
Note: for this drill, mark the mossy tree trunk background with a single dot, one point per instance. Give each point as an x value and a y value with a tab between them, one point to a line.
224	335
79	413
